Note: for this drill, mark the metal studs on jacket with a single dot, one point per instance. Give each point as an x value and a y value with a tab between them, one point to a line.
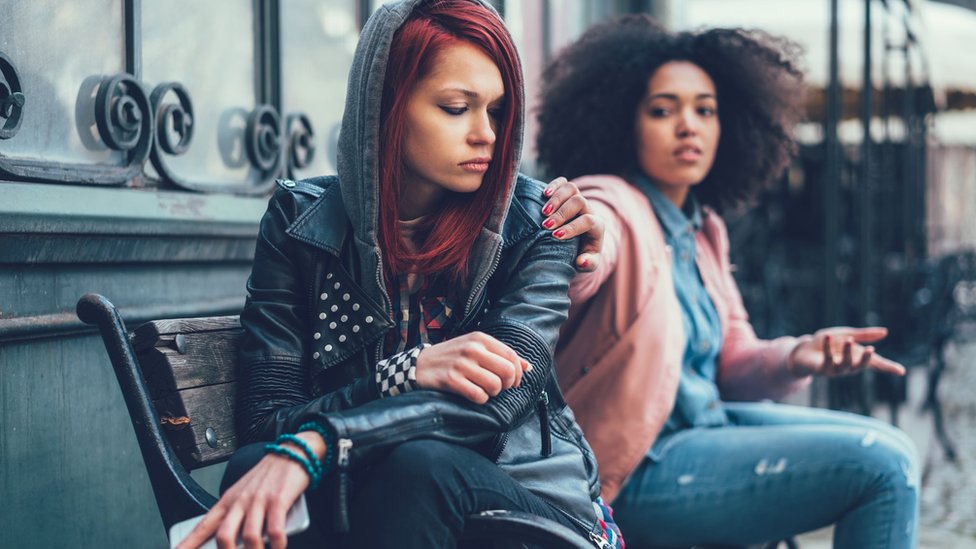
344	320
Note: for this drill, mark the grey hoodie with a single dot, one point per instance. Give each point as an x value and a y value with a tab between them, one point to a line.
358	164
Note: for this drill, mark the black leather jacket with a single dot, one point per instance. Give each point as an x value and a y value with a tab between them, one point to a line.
314	333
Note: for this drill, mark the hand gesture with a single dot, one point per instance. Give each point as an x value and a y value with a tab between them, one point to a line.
475	366
838	351
568	215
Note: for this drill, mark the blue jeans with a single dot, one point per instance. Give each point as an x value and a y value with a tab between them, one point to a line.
775	472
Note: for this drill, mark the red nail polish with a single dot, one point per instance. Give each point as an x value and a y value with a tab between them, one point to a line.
559	233
547	209
585	263
547	223
548	191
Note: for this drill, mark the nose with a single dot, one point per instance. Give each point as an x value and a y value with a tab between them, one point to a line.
482	130
687	123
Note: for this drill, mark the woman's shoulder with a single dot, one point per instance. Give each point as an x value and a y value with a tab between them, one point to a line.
525	211
305	190
608	188
294	198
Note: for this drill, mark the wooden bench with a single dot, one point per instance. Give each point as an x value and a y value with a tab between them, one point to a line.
178	380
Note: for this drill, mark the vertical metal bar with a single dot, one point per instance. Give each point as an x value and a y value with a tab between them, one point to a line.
133	37
887	178
831	199
865	214
546	31
831	217
267	46
272	56
362	10
909	187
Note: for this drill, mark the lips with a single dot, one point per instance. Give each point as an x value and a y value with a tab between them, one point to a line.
687	153
478	165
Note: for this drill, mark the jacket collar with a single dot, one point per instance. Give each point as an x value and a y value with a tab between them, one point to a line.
674	220
324	224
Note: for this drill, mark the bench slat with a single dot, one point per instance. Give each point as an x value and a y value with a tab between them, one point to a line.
149	333
187	415
199	359
189	366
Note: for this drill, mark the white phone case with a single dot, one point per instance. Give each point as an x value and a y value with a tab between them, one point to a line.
296	521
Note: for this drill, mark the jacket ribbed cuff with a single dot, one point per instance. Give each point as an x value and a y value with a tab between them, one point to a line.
398	374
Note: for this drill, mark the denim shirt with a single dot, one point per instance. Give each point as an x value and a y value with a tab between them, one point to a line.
697	402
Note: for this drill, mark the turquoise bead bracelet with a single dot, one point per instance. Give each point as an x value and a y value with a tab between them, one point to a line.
312	458
329	446
313	474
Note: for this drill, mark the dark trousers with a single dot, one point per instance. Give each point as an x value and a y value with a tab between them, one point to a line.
416	496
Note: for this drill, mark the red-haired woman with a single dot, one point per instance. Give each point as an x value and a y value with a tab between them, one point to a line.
402	316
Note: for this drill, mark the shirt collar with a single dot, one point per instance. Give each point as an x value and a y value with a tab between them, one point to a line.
674	220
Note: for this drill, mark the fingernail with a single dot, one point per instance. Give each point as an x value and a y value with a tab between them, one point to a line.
548	191
528	367
548	223
585	263
559	234
547	210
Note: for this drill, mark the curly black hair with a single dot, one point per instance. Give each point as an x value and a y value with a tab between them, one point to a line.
591	91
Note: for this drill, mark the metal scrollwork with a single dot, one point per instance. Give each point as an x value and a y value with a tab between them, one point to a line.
263	138
175	124
12	98
123	116
301	143
179	117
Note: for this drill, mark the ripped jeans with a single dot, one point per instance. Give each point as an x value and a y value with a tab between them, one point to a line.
775	472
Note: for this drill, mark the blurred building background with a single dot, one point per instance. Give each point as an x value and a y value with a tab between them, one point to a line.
139	140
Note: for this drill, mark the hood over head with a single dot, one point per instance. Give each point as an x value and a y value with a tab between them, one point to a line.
359	142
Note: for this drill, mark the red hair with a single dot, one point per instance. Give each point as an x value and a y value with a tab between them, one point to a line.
430	28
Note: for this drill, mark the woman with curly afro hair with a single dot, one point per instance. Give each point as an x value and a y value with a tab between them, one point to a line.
659	131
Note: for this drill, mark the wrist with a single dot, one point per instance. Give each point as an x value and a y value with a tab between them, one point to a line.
791	362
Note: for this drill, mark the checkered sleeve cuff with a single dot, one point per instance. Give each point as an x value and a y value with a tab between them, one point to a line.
398	374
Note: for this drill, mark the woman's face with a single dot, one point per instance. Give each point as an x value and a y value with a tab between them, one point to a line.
677	127
450	124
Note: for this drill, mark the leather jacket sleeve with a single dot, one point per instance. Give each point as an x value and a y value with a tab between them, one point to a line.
275	391
527	307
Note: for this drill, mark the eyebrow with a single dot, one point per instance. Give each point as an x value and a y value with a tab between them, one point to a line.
468	93
674	97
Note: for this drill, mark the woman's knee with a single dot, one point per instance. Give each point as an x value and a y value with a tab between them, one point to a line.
890	453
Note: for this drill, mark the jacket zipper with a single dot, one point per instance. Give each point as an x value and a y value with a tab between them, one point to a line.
599	541
543	407
475	294
341	518
342	461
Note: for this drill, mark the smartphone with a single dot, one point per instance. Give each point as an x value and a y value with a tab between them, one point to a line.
295	521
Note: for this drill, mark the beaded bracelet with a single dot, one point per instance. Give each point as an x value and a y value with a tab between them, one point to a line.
313	474
312	458
327	458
